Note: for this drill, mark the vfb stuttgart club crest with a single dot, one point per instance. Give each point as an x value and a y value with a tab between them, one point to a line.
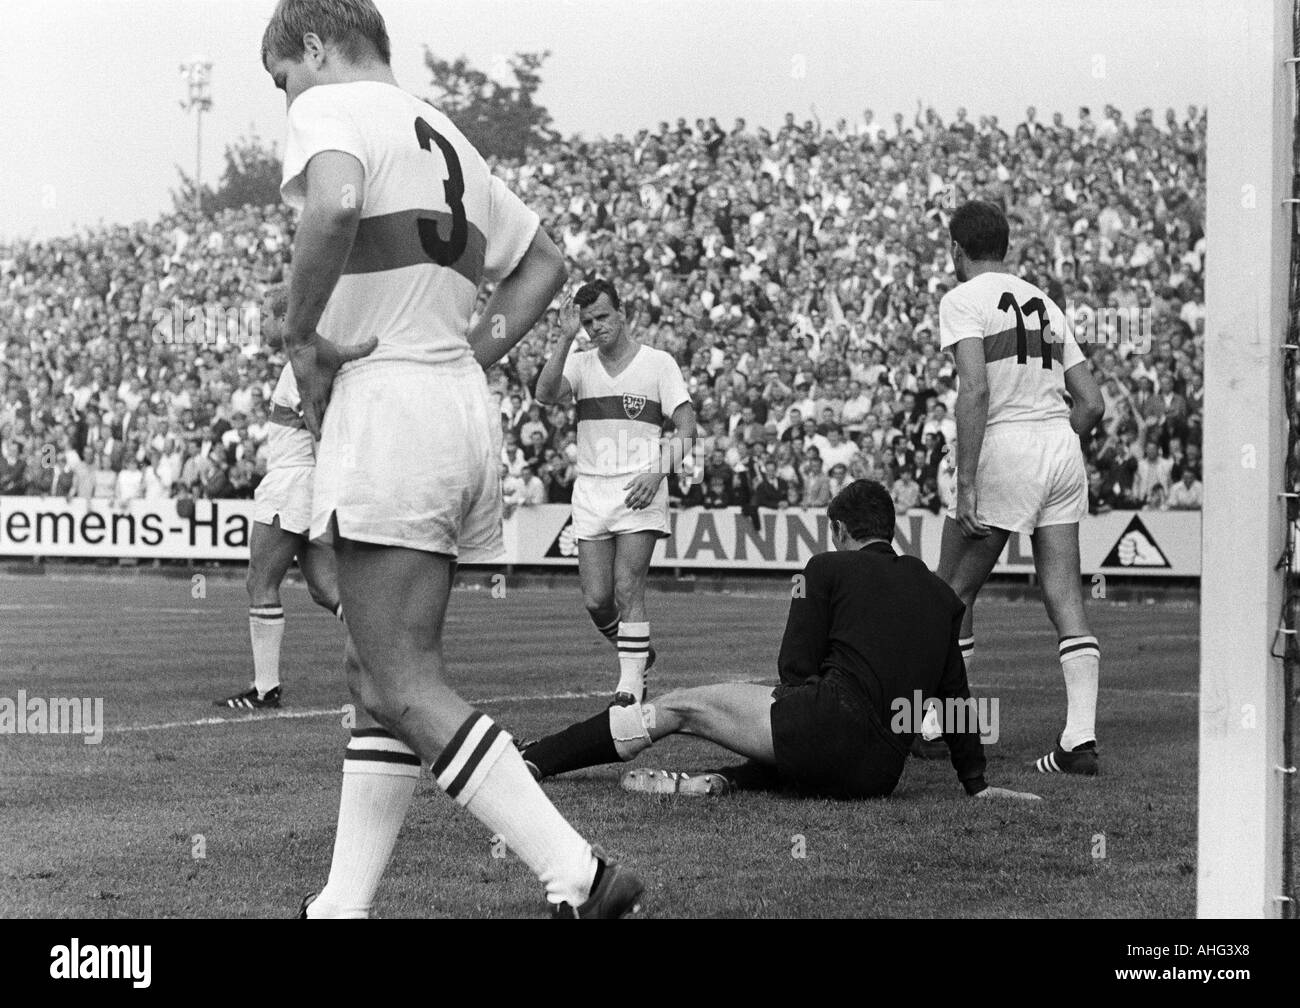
633	405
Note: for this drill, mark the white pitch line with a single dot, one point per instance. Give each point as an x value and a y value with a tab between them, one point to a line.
1104	689
208	722
175	611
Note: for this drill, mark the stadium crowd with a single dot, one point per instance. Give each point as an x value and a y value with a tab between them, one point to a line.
795	275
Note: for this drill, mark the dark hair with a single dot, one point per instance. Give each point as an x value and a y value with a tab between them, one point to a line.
981	229
355	26
276	299
865	508
593	289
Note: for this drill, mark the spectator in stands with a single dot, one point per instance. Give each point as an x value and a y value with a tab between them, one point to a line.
215	484
1100	496
1156	499
130	482
13	468
906	492
533	490
770	490
512	490
816	484
718	494
158	478
1152	469
557	475
1187	494
103	480
838	478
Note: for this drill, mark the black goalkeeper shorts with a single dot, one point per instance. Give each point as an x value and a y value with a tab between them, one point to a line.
829	745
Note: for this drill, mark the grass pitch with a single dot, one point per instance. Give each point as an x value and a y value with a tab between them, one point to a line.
185	811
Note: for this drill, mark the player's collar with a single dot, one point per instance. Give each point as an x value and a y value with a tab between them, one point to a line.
636	349
879	546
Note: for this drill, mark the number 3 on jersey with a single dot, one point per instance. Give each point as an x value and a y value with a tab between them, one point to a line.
444	251
1034	306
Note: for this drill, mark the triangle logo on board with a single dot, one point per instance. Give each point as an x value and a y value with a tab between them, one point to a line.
565	543
1136	548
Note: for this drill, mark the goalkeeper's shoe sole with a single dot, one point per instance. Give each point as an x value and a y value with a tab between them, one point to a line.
618	894
250	699
1081	760
650	781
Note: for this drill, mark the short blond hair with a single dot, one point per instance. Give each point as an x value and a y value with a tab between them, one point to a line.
355	26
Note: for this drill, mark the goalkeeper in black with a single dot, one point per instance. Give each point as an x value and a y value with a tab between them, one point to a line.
870	635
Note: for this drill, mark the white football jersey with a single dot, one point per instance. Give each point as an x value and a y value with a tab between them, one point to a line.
1028	346
620	420
288	441
434	222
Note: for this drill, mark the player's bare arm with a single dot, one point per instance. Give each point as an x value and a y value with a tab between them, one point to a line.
519	301
552	386
1087	407
641	489
972	412
679	450
326	230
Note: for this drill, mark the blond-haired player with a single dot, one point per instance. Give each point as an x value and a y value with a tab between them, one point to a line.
401	222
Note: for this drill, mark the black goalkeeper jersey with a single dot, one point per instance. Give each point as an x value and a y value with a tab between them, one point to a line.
886	627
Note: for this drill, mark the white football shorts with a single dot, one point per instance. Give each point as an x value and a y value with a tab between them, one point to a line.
1031	474
409	456
285	491
600	509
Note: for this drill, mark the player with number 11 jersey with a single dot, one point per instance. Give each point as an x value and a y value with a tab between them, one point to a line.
1020	465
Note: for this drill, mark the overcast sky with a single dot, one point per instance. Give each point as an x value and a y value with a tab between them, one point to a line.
91	128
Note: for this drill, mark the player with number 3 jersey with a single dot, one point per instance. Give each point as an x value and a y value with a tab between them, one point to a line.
400	223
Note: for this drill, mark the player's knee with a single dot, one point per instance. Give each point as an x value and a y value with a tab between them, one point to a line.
385	706
322	597
395	701
677	711
597	604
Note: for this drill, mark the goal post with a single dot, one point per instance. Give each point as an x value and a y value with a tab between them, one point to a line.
1248	230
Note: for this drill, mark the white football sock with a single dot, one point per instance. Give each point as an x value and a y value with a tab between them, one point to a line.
1081	666
629	727
379	777
266	629
633	653
967	645
485	774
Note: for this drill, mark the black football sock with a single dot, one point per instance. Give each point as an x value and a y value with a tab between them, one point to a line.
606	621
752	776
587	743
